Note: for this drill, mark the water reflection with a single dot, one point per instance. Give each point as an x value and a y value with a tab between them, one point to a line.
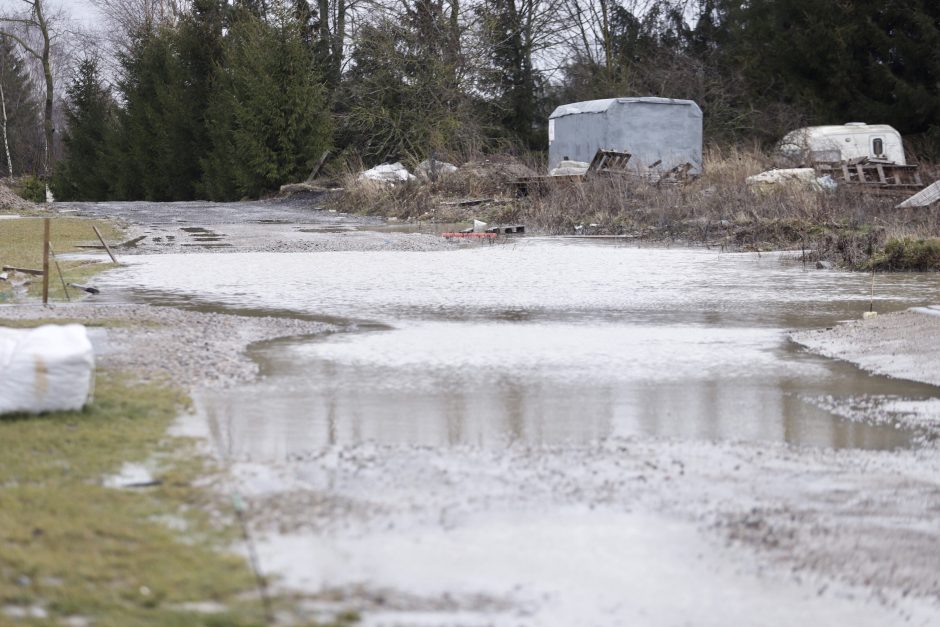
409	385
539	342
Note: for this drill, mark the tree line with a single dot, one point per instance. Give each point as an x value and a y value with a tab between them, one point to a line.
224	99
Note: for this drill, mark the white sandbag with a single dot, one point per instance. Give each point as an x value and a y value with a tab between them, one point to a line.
49	368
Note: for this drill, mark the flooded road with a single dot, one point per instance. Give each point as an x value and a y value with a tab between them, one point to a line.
541	341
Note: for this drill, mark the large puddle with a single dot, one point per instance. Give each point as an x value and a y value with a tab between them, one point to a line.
538	342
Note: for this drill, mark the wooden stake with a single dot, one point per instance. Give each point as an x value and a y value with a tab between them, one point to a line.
61	278
45	261
104	243
318	167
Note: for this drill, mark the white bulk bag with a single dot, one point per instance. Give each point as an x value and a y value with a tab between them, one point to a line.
49	368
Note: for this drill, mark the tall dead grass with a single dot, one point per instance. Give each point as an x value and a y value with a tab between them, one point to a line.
847	225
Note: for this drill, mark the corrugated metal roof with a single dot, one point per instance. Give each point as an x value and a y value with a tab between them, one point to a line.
600	106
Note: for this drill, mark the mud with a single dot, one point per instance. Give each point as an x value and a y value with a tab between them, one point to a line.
904	344
630	531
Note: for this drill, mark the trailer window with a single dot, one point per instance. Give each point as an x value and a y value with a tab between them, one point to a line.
878	146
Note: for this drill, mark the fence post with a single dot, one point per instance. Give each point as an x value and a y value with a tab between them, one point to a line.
45	261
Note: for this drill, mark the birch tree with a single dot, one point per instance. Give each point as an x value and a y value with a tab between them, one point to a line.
31	30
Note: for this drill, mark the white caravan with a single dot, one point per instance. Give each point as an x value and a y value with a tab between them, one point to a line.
843	143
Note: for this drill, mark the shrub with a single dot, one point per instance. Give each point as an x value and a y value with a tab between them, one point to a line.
32	188
909	254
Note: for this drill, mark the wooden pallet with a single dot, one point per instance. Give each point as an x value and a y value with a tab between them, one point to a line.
874	174
604	163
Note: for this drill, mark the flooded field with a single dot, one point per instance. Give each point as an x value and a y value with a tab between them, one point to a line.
541	341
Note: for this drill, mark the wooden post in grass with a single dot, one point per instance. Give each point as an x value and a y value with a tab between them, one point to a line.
104	243
45	261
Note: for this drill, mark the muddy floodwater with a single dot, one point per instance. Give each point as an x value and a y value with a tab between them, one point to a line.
539	342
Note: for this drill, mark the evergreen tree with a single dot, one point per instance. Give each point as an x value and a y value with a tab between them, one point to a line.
838	61
513	77
153	160
268	120
84	173
166	85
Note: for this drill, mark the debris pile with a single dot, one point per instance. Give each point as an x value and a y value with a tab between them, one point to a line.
12	201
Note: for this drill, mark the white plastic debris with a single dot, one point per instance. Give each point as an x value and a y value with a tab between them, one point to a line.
569	168
479	226
50	368
827	183
387	173
789	177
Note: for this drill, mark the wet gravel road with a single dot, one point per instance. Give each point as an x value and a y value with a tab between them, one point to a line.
297	224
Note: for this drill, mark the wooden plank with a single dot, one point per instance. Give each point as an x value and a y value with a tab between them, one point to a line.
881	174
861	174
22	270
319	166
104	243
846	175
131	242
59	269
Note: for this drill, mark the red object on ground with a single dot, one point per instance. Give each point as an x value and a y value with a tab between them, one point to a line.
468	234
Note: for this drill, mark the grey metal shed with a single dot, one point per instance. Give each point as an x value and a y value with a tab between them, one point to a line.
651	129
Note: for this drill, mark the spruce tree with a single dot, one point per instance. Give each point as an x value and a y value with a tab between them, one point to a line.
84	174
268	120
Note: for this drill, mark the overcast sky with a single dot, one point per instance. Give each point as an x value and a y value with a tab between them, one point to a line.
81	10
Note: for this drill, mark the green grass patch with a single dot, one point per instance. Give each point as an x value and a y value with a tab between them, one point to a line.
908	254
120	557
21	247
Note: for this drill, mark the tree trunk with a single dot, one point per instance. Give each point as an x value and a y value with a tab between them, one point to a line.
47	73
6	139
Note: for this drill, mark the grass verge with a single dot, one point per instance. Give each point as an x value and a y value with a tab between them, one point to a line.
21	247
73	549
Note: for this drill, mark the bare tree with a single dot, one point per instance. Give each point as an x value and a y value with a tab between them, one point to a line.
127	17
31	31
3	103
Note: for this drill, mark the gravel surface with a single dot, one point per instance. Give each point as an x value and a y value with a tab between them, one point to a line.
185	347
905	344
382	528
287	225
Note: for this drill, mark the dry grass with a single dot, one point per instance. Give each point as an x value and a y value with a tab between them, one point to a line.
847	225
21	247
